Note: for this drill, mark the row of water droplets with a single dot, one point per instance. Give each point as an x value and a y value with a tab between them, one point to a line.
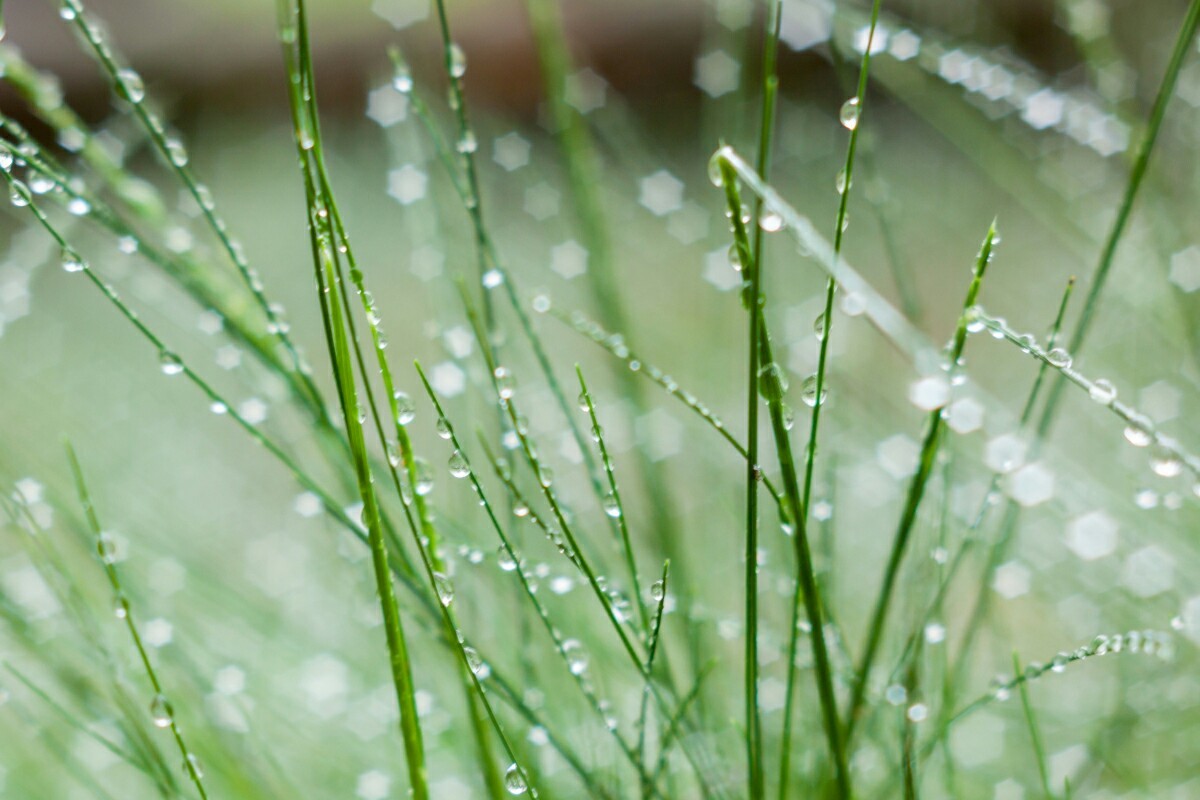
1168	457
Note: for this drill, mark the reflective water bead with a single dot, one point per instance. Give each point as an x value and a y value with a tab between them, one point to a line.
808	391
1058	357
514	781
71	262
445	589
131	85
772	382
505	383
1102	391
170	363
505	559
840	182
458	61
443	428
405	409
658	591
459	468
577	657
422	478
819	326
1137	433
191	766
1165	463
849	114
161	713
771	222
612	507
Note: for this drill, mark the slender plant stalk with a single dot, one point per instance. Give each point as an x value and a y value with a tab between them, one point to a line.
161	706
1141	162
1035	736
773	391
916	491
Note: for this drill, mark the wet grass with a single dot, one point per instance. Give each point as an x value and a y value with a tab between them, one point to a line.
577	612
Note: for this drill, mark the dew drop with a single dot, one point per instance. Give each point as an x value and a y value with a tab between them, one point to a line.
849	114
1137	433
106	548
443	428
808	391
772	382
771	222
476	663
819	327
191	766
69	10
405	409
121	607
459	468
131	85
445	589
71	262
402	80
840	182
467	143
611	506
1059	358
714	169
514	781
584	405
1165	463
161	713
505	559
658	591
505	383
169	363
1103	392
19	196
458	61
577	657
422	478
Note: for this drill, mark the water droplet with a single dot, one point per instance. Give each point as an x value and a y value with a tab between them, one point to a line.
1103	392
714	169
467	143
584	405
69	10
71	262
577	657
735	258
505	559
514	781
458	61
191	766
445	589
1165	463
169	363
819	327
545	477
131	85
840	182
106	548
789	416
459	468
772	382
405	409
477	664
19	196
161	712
1058	357
808	391
402	80
771	222
505	383
657	591
121	607
422	478
611	506
1137	433
520	509
849	114
443	428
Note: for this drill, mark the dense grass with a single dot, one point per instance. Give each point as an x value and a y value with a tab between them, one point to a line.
895	579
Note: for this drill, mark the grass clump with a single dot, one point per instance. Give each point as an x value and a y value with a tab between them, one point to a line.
589	598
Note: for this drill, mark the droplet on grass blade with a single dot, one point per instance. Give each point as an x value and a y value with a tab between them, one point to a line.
849	114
